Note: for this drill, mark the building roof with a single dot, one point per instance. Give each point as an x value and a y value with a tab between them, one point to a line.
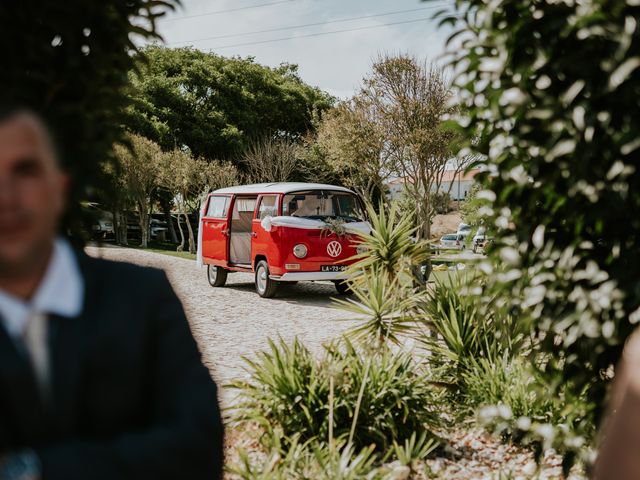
280	187
448	176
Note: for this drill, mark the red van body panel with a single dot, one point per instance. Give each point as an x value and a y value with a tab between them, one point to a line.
317	243
215	238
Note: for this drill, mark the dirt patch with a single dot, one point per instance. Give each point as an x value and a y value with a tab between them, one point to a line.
443	224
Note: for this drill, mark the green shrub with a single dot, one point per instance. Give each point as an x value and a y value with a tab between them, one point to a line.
390	248
383	309
506	381
461	329
290	390
310	460
551	90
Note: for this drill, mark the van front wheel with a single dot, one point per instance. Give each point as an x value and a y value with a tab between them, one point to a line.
217	276
343	287
265	286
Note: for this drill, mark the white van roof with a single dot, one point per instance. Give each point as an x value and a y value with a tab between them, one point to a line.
280	187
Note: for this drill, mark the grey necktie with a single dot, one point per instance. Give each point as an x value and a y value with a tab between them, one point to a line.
35	340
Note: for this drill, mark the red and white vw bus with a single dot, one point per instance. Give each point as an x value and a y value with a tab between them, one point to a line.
279	232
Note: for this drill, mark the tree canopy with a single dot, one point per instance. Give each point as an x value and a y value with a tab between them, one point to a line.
217	106
69	61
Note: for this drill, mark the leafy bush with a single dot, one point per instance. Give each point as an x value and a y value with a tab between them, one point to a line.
463	330
506	381
441	202
552	92
309	460
386	393
69	61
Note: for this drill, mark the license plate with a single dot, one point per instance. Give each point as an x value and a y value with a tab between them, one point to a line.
333	268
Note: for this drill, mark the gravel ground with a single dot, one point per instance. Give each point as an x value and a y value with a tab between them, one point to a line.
234	321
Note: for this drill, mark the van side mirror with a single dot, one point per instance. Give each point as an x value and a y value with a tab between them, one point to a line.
266	223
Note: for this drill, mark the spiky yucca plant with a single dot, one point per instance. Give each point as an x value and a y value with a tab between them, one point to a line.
383	278
390	249
376	399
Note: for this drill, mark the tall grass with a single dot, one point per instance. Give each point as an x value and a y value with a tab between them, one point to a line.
377	399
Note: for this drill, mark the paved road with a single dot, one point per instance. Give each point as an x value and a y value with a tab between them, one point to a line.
234	321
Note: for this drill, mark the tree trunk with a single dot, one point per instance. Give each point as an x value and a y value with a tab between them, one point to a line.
192	243
165	204
180	247
143	216
122	227
116	222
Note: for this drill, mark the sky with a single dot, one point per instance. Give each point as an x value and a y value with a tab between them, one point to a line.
335	62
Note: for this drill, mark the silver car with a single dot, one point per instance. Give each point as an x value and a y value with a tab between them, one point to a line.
451	241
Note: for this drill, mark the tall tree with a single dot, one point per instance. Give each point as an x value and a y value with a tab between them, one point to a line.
355	142
412	101
272	160
217	106
189	179
138	178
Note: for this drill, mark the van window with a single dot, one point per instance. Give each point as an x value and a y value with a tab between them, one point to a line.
323	204
218	207
245	204
450	237
268	206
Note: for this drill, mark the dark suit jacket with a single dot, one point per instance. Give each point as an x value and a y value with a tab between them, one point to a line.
131	398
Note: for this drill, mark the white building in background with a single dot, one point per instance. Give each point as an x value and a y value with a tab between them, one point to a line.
457	184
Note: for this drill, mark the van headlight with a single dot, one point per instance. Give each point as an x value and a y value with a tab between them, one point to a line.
361	249
300	251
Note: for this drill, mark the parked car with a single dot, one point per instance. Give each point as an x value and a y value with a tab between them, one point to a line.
477	238
464	229
451	241
483	245
157	229
279	232
97	221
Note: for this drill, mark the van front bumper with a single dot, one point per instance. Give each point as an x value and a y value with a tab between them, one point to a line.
309	276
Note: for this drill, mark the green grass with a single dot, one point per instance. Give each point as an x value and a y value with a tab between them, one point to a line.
171	253
164	248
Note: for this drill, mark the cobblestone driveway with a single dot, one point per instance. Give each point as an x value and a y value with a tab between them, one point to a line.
234	321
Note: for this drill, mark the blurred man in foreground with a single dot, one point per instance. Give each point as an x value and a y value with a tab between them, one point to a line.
100	377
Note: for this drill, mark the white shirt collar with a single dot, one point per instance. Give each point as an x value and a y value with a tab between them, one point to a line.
61	292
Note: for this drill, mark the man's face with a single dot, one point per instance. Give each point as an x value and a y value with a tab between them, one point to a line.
32	191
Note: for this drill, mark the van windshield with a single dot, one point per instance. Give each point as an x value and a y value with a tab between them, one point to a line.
319	205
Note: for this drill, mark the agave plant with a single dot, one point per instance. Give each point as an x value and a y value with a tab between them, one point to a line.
390	249
383	307
373	399
414	449
463	327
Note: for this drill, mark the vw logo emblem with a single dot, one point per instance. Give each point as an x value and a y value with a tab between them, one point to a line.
334	249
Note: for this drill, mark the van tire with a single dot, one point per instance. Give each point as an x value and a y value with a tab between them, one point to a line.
343	287
265	286
217	276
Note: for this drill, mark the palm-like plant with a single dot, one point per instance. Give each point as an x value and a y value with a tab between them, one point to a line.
384	307
382	278
390	249
467	327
